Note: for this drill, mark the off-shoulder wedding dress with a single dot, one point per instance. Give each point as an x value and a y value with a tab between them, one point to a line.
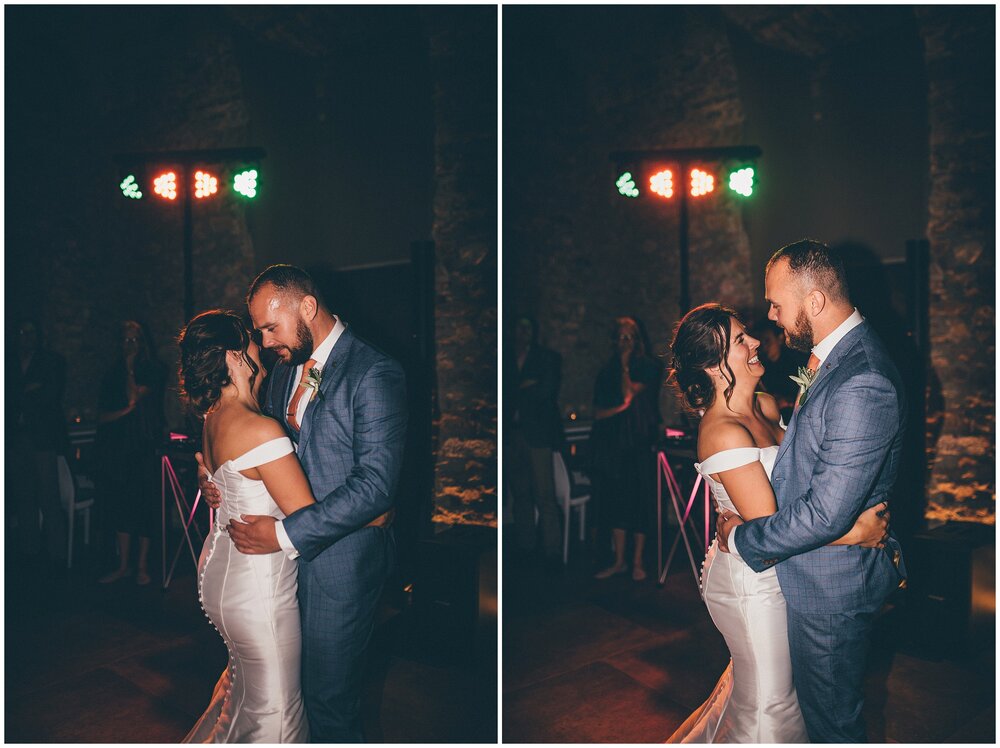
754	700
251	600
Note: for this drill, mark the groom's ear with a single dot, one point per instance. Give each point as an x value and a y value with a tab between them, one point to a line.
308	307
815	302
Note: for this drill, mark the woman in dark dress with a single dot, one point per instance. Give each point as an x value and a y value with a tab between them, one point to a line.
130	427
627	419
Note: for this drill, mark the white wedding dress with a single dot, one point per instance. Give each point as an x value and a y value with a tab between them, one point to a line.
754	700
251	600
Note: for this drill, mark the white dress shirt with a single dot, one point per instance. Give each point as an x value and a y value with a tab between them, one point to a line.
822	351
319	355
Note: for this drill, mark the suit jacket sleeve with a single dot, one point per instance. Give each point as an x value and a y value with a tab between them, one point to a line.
861	422
379	436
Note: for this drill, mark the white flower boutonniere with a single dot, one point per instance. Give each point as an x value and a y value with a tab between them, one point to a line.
312	381
804	380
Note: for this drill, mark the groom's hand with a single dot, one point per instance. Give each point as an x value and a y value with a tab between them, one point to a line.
210	491
256	536
724	525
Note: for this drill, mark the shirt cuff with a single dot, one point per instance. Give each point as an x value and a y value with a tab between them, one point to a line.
730	544
283	540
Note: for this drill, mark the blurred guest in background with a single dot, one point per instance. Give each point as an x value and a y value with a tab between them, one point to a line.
780	363
626	427
39	436
130	428
535	429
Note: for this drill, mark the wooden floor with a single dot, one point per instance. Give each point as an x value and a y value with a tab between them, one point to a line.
88	663
617	661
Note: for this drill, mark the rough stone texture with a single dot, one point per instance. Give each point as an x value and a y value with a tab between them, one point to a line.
102	259
84	258
961	426
463	64
577	253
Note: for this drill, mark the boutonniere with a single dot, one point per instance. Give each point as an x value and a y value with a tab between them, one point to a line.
312	381
804	380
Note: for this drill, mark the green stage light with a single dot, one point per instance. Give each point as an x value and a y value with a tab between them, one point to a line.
245	183
741	181
626	185
130	188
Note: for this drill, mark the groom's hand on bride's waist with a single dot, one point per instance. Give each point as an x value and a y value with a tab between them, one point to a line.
724	525
210	491
255	534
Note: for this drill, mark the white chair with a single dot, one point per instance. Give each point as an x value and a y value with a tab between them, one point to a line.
73	500
567	501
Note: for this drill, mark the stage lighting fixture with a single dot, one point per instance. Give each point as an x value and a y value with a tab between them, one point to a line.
205	184
662	183
245	183
165	185
741	181
130	188
626	185
701	183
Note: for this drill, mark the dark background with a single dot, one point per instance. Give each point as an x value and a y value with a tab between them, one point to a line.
876	126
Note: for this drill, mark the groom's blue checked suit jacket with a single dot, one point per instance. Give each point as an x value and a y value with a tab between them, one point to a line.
350	444
839	456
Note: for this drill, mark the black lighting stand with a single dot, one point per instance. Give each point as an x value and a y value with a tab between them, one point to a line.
685	157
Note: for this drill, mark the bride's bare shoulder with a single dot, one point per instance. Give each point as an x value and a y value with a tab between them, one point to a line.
721	433
242	431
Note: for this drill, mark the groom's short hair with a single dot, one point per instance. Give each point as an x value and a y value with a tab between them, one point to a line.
286	279
818	264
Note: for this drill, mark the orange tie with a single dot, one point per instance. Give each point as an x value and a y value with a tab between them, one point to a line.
293	406
813	363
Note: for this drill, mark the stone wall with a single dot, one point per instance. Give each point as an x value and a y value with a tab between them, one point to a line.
464	70
577	254
87	258
962	232
580	85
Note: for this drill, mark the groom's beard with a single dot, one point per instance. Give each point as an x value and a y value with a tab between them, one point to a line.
801	337
304	347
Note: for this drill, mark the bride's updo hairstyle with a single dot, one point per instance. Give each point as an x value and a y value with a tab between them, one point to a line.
203	372
701	342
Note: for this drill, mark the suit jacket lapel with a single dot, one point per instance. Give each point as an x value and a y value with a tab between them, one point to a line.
825	371
333	372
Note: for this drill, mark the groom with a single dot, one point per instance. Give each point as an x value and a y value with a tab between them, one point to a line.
839	456
343	404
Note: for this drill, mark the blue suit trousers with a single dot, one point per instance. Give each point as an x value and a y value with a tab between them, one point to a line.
829	651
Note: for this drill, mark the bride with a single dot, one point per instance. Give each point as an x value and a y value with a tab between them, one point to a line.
717	370
250	599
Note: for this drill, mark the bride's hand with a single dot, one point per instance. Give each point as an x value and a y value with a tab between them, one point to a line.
210	491
870	529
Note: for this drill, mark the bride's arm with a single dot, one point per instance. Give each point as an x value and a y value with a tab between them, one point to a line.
284	478
747	486
869	528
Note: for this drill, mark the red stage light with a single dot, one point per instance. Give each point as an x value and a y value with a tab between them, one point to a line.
165	185
701	183
205	184
662	183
